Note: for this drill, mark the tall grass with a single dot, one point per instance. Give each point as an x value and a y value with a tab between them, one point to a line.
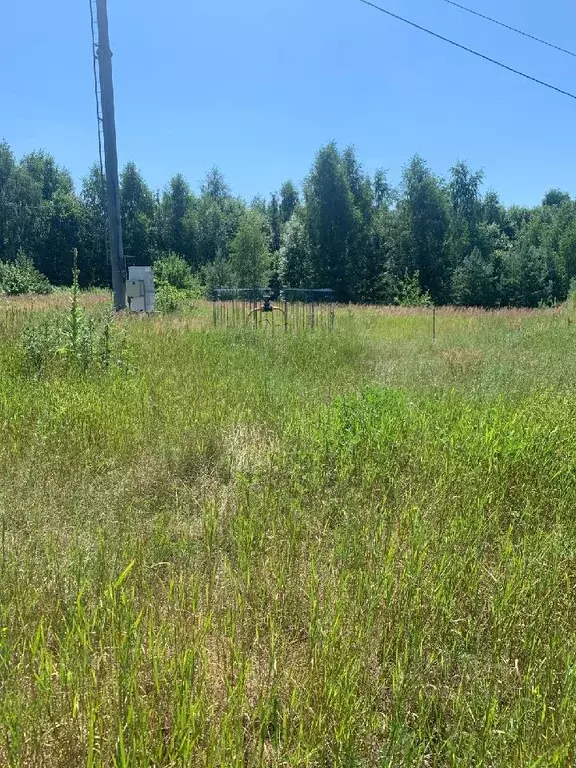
307	549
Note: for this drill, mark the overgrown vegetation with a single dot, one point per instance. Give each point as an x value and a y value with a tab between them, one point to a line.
410	293
175	283
345	229
21	276
308	549
72	341
175	271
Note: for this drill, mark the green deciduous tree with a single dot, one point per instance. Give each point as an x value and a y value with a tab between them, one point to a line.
25	212
383	192
218	274
55	258
289	201
474	281
555	197
138	207
212	222
43	169
332	223
175	204
249	254
465	213
351	231
361	256
424	222
526	276
93	260
214	185
7	200
275	223
295	267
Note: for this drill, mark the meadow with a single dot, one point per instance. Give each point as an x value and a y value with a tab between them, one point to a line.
229	547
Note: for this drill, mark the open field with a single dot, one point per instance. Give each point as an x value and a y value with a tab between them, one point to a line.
354	549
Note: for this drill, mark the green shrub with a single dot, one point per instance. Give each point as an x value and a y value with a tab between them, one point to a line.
174	271
170	299
410	294
21	276
175	283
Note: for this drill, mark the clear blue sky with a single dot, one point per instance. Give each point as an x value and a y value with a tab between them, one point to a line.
256	86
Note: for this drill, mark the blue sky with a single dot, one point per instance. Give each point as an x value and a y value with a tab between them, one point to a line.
257	86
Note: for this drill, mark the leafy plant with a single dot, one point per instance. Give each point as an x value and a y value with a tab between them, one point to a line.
21	276
71	340
175	283
169	298
249	256
410	294
173	270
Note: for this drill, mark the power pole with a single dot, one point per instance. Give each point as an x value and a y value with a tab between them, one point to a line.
111	157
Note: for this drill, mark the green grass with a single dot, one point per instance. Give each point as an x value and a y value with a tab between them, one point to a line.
354	549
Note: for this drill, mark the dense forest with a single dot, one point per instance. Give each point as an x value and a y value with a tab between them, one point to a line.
431	239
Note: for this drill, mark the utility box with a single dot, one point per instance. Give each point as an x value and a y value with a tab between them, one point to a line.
140	289
134	289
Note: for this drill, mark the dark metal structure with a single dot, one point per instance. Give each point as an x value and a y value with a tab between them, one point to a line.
296	308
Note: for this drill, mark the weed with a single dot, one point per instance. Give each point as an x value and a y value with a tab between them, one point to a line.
21	276
73	340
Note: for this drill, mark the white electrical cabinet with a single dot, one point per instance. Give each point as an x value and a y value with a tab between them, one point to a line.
140	289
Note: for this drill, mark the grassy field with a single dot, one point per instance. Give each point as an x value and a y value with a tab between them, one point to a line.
234	548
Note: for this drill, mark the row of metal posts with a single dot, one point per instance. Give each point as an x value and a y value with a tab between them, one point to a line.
242	310
298	315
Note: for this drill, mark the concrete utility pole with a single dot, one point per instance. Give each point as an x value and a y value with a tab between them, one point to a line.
111	157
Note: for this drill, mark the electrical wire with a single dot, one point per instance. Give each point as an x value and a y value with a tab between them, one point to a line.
469	50
511	28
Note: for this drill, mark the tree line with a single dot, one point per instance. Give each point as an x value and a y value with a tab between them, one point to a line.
430	239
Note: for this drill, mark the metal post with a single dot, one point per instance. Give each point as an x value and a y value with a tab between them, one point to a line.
111	157
434	323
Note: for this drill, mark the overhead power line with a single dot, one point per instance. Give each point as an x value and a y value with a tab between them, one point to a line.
469	50
511	28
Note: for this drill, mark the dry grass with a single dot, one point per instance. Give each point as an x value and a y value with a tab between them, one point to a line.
51	301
